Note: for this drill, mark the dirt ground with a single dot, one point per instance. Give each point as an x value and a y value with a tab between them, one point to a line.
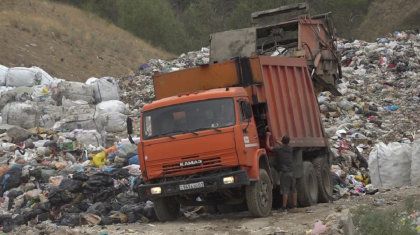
242	223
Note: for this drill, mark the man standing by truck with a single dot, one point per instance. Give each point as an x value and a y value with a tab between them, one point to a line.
284	165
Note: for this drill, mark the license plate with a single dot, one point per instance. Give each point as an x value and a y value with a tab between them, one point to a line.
191	186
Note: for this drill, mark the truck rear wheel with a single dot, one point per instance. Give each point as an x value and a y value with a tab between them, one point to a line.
307	186
259	196
166	208
323	175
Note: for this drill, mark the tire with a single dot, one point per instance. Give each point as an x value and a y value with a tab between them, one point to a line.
259	196
166	208
323	175
307	186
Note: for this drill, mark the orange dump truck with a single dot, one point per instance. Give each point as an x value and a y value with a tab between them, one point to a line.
202	140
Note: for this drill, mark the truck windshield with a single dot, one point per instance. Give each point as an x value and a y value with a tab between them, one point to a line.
188	118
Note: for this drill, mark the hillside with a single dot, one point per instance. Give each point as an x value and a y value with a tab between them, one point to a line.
386	16
67	42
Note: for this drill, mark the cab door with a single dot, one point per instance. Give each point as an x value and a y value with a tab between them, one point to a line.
246	134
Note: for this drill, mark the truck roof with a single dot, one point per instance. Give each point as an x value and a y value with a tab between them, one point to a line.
196	96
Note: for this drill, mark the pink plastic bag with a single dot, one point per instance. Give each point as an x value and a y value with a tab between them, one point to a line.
319	228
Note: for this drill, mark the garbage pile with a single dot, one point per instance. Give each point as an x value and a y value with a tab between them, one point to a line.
61	157
379	104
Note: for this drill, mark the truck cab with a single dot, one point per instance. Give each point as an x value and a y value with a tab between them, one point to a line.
199	144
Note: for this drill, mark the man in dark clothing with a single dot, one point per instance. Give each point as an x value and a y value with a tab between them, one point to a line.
284	165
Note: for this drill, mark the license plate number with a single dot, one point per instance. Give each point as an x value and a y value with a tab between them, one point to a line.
191	186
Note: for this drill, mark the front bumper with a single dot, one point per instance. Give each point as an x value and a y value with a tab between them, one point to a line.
211	183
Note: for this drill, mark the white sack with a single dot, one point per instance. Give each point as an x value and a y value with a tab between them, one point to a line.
115	122
390	165
73	91
3	74
21	114
415	163
20	76
90	81
46	79
112	106
89	137
85	117
106	89
115	113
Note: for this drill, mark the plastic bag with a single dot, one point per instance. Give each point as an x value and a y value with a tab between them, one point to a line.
73	186
127	151
71	220
134	160
99	159
344	104
90	219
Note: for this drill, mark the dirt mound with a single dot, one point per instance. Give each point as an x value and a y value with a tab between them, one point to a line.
386	16
67	42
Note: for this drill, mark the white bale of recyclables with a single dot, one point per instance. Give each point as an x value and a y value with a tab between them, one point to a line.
115	113
25	115
20	76
73	91
105	89
390	165
415	163
3	74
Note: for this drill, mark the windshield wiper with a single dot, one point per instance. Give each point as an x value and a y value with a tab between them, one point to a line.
162	135
207	128
190	131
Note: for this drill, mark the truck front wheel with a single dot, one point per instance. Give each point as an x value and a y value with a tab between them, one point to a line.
259	196
307	186
323	175
166	208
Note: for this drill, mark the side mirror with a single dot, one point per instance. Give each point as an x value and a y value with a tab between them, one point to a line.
129	126
247	110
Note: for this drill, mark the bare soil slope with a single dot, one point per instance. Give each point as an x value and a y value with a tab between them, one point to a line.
387	16
67	42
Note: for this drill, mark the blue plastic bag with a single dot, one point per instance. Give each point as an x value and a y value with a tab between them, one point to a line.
134	160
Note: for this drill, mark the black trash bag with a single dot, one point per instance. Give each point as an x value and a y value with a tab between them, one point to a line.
149	212
129	200
44	217
58	197
132	217
45	206
7	228
119	173
70	219
12	195
109	221
137	182
101	179
120	189
116	206
127	209
105	194
5	218
80	176
83	206
73	186
33	214
73	209
100	209
11	179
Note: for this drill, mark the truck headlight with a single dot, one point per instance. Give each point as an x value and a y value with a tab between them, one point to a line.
156	190
228	180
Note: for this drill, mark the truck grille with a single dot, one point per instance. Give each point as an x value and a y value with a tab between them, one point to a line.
212	161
